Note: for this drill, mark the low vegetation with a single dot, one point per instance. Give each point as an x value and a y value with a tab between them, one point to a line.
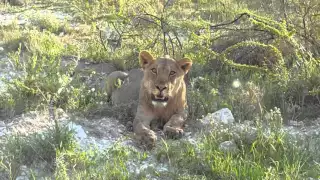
253	57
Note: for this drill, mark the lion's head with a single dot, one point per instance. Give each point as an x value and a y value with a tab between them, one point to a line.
163	77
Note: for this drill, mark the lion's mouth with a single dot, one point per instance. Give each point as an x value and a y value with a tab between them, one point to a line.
159	98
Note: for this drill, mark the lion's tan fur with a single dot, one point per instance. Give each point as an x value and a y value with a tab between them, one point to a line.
172	115
174	105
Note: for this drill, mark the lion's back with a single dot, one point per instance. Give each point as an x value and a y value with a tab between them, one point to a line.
129	91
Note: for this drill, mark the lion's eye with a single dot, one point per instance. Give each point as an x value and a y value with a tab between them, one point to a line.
154	70
172	73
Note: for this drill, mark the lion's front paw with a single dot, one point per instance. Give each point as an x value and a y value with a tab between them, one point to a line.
147	139
172	132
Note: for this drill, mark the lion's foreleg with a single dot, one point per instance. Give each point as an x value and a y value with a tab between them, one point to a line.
174	127
141	128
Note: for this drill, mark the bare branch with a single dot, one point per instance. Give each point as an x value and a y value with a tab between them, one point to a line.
165	49
249	29
120	35
155	40
101	39
172	45
165	5
225	24
148	20
156	17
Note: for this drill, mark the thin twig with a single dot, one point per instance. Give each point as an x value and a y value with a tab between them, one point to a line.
172	45
225	24
249	29
51	110
120	35
156	17
149	21
116	29
155	40
177	38
100	37
163	24
165	49
165	6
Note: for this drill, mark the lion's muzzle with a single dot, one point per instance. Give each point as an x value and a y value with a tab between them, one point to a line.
160	99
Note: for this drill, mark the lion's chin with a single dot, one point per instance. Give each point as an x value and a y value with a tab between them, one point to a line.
159	101
159	104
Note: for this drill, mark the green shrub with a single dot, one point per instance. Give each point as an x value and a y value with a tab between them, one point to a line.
46	21
93	164
271	156
35	148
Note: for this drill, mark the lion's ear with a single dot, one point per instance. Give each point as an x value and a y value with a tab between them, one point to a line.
185	64
145	59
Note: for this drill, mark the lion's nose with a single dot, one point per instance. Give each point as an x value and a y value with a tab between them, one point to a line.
161	88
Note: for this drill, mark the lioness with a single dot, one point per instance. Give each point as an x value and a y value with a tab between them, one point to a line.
162	97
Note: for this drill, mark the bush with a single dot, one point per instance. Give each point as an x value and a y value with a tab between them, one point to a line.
35	148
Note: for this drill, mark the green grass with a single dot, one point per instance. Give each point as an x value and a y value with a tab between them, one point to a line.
268	157
49	22
37	56
94	164
35	148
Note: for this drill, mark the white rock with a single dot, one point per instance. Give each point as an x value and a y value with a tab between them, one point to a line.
114	133
228	147
80	134
23	168
223	115
22	178
244	133
310	178
3	129
296	123
86	141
